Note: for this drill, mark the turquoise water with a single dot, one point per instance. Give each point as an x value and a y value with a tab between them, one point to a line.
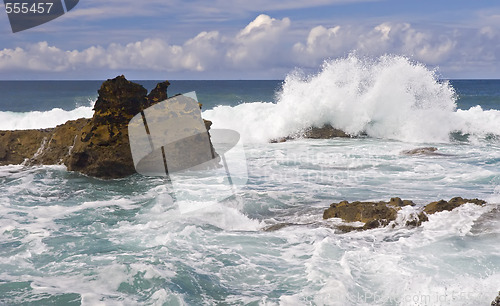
68	239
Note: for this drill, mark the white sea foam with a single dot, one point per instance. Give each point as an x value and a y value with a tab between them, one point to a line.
390	97
41	120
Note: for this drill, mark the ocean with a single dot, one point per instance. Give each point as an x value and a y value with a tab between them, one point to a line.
69	239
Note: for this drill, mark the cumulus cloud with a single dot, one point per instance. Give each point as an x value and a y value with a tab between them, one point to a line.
262	45
258	42
398	38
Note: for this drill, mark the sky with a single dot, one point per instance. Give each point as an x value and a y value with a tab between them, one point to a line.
258	39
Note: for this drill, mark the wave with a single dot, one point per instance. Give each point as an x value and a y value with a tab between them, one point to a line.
43	119
388	97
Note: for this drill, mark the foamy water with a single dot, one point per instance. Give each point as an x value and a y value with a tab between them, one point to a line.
390	97
68	239
42	120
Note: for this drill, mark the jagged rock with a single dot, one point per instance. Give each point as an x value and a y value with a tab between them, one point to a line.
380	214
57	147
324	132
98	146
496	302
441	205
17	147
102	149
373	214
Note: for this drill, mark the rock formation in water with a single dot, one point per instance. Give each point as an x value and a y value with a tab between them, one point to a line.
98	146
380	214
324	132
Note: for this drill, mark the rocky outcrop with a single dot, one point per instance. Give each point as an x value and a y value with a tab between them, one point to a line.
102	148
98	146
442	205
380	214
324	132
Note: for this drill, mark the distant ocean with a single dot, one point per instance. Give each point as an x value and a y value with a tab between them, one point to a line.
68	239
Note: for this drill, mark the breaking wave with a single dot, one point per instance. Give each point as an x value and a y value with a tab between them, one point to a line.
389	97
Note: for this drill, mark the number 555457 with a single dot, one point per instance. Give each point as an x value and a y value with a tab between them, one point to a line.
26	8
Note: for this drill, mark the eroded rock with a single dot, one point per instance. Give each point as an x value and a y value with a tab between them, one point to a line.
442	205
324	132
381	214
98	146
372	214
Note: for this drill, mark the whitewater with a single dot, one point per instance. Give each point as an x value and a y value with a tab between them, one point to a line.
68	239
390	97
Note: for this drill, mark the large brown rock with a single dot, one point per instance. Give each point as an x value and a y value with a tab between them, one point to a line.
98	146
102	149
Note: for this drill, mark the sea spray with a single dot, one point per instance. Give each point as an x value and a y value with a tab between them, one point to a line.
389	97
43	119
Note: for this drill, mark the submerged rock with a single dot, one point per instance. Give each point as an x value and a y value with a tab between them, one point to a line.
98	146
381	214
424	151
420	151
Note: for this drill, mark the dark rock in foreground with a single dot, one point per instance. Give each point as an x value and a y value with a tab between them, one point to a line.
96	147
380	214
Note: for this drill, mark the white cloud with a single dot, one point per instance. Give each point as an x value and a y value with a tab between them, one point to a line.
258	42
398	38
264	44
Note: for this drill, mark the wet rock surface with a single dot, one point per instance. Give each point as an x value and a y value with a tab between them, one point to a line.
381	214
426	151
324	132
98	146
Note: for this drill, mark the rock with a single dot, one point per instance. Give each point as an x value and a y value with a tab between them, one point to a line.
16	147
373	214
442	205
496	302
58	147
102	149
380	214
424	151
97	147
324	132
277	226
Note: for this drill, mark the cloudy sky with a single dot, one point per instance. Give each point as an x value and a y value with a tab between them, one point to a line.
258	39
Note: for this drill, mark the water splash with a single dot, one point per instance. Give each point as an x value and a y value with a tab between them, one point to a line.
389	97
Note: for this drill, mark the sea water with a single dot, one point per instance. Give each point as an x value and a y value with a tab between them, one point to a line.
68	239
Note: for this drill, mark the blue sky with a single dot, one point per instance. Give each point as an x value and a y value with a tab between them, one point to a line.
195	39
